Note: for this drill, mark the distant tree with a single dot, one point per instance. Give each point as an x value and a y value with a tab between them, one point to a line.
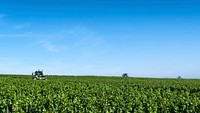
179	77
125	75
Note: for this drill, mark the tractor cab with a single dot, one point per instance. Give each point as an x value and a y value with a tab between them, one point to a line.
38	75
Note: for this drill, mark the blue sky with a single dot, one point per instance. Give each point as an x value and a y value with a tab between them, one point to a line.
144	38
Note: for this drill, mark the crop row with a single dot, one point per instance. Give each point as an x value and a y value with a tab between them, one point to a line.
99	95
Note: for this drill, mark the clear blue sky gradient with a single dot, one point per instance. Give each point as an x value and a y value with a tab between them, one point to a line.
144	38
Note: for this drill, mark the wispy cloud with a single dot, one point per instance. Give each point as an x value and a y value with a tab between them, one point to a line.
80	32
78	40
48	46
22	26
78	43
23	35
88	42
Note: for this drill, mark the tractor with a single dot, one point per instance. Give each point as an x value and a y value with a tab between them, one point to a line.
38	75
125	75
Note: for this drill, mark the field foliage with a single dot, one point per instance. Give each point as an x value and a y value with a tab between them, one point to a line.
92	94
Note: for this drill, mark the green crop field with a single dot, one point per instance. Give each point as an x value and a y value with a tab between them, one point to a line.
90	94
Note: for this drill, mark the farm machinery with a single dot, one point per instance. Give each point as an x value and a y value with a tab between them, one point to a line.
38	75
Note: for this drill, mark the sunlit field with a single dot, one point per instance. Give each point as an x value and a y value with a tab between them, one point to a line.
78	94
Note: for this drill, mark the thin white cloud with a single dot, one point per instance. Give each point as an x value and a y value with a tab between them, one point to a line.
77	39
88	42
81	32
82	41
22	35
22	26
48	46
13	35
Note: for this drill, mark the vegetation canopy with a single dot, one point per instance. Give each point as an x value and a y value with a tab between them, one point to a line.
78	94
